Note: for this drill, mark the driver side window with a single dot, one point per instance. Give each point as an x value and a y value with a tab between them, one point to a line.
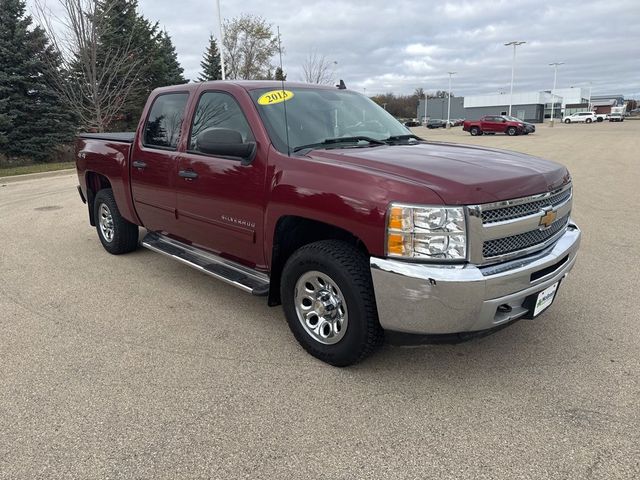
218	110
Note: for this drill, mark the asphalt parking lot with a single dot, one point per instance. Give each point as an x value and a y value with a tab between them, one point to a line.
139	367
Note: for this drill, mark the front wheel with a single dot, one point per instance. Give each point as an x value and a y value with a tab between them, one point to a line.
116	234
512	132
329	302
568	120
588	120
475	131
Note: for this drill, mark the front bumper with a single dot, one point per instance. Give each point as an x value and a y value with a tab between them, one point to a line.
433	299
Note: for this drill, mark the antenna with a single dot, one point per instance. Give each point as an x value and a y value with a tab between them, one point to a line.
284	103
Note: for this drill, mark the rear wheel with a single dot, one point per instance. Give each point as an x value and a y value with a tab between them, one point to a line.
512	131
328	300
475	131
116	234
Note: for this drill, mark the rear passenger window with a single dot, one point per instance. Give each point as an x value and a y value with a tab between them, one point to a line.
164	122
218	110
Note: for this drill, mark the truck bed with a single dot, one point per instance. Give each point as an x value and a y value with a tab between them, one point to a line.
124	137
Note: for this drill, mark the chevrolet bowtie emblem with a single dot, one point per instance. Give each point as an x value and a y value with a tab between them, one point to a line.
548	218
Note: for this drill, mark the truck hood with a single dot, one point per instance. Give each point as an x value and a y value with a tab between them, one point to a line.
459	174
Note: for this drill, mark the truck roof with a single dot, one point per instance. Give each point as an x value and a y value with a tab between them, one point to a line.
246	84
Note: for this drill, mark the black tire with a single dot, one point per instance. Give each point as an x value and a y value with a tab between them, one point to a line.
512	131
568	120
475	131
600	119
124	236
588	120
348	268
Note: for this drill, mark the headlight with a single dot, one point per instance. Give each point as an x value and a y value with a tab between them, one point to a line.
426	232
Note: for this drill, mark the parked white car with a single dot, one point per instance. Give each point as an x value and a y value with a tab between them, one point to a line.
586	117
616	117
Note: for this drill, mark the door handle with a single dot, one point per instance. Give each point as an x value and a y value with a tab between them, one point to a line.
188	174
139	164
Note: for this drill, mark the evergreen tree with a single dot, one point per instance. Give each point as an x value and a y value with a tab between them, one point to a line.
153	49
173	73
211	66
280	75
32	120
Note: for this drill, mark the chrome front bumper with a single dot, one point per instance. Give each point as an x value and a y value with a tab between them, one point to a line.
433	299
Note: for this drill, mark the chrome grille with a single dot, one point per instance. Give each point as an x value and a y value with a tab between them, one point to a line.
522	210
505	245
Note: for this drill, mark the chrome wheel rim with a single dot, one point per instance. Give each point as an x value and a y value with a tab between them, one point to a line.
321	307
106	223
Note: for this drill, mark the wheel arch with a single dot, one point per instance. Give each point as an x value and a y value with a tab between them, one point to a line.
292	232
95	182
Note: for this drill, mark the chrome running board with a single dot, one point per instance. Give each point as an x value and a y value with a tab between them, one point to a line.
228	271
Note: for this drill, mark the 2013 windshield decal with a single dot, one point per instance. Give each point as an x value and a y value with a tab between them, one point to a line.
275	96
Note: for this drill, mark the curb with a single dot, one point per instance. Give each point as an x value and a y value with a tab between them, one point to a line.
35	176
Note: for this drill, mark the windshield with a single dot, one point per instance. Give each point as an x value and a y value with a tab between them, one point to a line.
316	115
513	119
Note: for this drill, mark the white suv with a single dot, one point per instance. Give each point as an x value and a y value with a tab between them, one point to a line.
586	117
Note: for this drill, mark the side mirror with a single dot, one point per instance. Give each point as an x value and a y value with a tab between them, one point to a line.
225	142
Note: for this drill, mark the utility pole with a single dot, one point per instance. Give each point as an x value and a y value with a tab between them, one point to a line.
589	105
553	96
224	74
449	95
513	68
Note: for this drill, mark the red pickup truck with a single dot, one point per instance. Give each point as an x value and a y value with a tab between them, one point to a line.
494	124
320	200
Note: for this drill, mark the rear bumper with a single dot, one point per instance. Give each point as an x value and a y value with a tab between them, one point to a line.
434	299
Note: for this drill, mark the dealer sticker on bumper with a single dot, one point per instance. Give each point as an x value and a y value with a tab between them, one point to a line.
545	298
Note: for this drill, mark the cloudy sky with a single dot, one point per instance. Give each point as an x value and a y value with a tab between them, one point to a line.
399	45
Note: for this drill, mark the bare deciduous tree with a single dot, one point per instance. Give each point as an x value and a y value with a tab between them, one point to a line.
317	69
92	81
249	45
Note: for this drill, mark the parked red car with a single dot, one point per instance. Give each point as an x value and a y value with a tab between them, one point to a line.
493	124
333	209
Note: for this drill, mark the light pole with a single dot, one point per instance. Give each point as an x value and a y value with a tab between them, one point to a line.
589	105
224	74
553	97
449	98
426	99
513	68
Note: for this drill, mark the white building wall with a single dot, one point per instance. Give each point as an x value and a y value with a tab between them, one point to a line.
572	95
526	98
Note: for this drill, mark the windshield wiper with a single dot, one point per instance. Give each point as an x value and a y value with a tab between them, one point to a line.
338	140
400	138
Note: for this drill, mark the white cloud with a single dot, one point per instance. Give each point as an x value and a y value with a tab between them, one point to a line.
405	44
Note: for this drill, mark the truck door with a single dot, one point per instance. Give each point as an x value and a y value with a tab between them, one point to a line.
154	161
489	124
220	200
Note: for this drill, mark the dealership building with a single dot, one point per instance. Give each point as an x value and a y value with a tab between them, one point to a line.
532	107
574	99
528	106
437	108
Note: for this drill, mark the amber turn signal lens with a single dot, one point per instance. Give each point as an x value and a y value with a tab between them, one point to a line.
395	218
395	244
